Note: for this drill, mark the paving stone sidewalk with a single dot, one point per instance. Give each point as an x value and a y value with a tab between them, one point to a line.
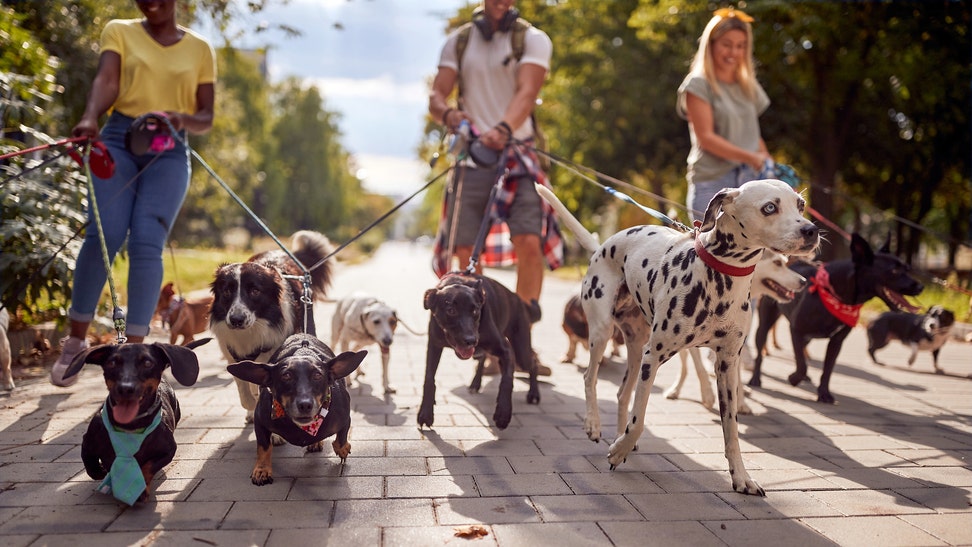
889	465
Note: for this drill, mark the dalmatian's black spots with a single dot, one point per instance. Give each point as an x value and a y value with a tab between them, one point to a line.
691	301
674	283
603	253
701	317
634	230
659	346
613	250
676	329
745	305
671	307
721	309
644	264
689	339
752	255
645	371
665	270
664	325
723	365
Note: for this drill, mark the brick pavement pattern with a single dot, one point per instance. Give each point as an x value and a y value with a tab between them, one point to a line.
888	465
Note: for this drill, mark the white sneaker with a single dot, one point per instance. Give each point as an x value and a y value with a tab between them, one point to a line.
70	347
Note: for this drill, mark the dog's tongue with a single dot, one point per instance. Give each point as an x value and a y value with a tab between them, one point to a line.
125	412
465	352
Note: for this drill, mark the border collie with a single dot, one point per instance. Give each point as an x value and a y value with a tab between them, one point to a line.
255	307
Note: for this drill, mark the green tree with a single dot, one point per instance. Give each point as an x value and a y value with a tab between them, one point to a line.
316	188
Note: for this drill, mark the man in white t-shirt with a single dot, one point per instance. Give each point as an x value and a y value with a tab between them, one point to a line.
499	93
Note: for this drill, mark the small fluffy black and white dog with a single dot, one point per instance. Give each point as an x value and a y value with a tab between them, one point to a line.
926	332
257	304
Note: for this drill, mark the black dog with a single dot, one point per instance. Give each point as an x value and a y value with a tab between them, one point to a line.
303	399
138	399
920	332
471	312
840	287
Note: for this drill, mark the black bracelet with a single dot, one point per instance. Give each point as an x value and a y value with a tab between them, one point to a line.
506	129
445	116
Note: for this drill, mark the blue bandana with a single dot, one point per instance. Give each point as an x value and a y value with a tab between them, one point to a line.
125	480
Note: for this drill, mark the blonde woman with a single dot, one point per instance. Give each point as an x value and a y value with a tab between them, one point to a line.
722	102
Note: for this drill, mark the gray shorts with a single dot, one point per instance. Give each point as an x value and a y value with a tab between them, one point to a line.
526	215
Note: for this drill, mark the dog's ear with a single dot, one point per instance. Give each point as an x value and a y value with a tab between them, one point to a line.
861	252
251	371
345	363
96	355
724	196
886	248
480	288
182	361
429	299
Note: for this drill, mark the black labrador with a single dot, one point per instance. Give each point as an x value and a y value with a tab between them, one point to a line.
829	307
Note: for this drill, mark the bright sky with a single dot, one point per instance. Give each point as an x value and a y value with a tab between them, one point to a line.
374	71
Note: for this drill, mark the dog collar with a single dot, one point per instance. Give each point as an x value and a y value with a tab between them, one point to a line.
721	267
277	412
848	314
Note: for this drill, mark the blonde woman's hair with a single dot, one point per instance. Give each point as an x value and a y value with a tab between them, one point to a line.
702	63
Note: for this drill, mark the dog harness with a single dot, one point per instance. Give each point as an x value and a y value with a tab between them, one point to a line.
277	412
721	267
846	313
125	480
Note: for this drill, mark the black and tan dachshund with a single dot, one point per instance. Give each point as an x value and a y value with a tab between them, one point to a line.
303	399
138	398
829	308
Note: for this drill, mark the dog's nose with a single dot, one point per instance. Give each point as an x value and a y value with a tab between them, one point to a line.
126	388
305	405
809	232
470	340
386	341
237	321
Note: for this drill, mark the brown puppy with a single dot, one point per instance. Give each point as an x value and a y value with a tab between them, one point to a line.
575	325
189	317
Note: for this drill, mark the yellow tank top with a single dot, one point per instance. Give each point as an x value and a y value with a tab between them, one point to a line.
156	77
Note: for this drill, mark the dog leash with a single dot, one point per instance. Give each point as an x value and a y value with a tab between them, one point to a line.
502	171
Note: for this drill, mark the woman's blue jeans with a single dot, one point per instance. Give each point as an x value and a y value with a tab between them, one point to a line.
700	193
139	202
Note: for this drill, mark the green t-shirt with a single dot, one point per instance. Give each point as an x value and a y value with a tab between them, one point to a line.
736	119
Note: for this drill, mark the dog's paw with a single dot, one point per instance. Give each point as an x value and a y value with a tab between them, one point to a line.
316	447
825	397
426	416
340	450
249	417
672	393
744	409
755	382
261	475
796	378
502	418
592	426
533	396
748	486
389	390
277	440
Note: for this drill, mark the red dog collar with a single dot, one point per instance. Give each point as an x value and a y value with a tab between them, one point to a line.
721	267
848	314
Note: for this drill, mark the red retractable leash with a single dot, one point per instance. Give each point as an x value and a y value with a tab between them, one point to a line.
102	165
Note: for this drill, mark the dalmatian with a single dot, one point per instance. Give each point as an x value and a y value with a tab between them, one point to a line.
361	320
772	279
669	290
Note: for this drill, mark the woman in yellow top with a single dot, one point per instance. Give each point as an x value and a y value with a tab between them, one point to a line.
146	65
722	101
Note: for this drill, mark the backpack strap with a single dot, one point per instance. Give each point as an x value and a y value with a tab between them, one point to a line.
517	41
